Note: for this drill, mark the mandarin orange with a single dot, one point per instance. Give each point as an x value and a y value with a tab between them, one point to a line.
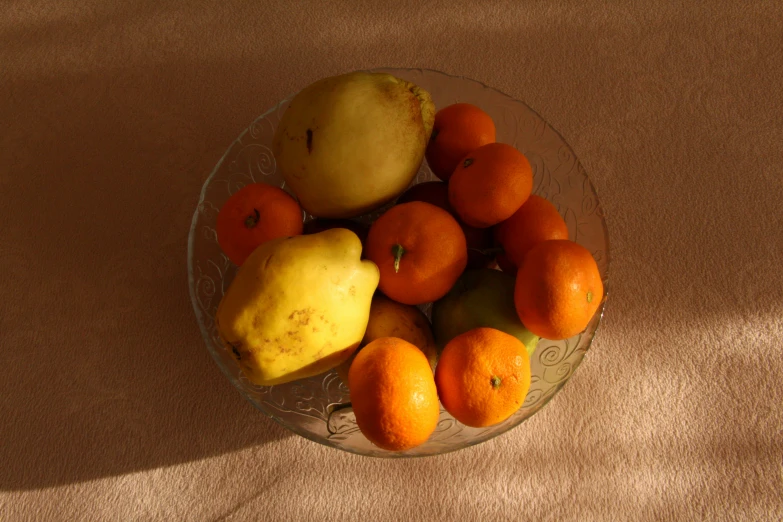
483	376
558	289
490	184
253	215
393	394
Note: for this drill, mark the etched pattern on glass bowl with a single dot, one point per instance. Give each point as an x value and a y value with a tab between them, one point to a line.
314	407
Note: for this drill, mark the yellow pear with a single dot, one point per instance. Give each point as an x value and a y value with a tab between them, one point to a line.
298	306
349	144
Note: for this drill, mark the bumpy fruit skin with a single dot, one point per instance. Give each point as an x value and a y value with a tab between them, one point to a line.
349	144
253	215
393	394
420	250
458	130
483	377
298	307
558	289
490	184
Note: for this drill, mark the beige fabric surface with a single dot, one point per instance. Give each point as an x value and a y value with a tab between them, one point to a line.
112	115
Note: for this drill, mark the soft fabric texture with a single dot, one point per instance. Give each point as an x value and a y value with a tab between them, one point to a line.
113	115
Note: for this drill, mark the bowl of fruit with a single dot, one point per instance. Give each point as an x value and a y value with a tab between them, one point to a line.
398	262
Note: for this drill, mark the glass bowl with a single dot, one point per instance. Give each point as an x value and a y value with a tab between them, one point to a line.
315	408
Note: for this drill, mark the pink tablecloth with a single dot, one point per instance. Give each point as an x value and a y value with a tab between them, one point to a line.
112	114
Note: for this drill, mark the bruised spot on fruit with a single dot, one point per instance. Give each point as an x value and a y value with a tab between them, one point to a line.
352	291
309	141
467	163
301	317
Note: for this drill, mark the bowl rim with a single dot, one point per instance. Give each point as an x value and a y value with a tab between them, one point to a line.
206	337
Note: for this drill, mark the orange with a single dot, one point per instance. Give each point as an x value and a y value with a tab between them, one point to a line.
479	240
558	289
255	214
490	184
458	130
420	251
483	376
393	394
536	221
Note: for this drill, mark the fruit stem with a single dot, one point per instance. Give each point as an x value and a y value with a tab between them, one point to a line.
495	382
467	163
589	296
251	221
397	252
